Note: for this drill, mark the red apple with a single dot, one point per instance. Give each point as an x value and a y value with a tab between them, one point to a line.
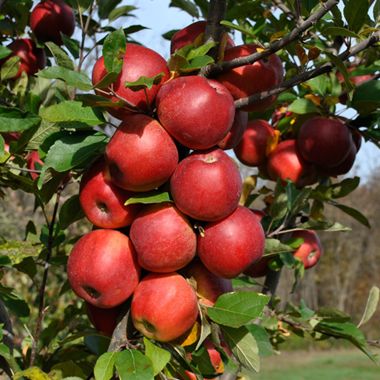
232	244
141	155
138	61
8	138
310	251
206	185
254	78
32	159
235	134
324	141
50	18
209	286
103	202
164	306
102	268
32	58
258	213
252	149
286	163
191	34
104	320
163	238
259	268
196	111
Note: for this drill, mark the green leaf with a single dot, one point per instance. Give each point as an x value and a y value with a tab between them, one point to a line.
303	106
366	97
376	10
242	28
33	373
60	56
279	207
323	225
157	355
197	63
144	82
72	46
133	365
275	246
337	31
357	215
106	6
4	52
347	186
71	77
200	51
14	120
104	366
9	69
243	346
70	212
371	306
235	309
262	338
355	12
113	51
149	198
120	11
18	250
319	84
13	302
70	111
186	6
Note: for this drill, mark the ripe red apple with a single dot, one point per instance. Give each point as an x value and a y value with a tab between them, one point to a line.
250	79
209	286
252	149
235	134
103	202
102	268
141	155
138	61
32	58
232	244
191	34
286	163
50	18
196	111
104	320
206	185
163	238
32	159
310	251
164	306
324	141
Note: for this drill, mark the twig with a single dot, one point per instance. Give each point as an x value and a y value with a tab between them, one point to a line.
41	295
327	67
23	169
84	32
214	69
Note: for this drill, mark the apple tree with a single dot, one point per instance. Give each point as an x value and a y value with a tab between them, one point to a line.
150	257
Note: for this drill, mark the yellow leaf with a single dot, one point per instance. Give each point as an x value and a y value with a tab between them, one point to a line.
249	184
192	336
32	373
331	100
313	98
272	142
277	35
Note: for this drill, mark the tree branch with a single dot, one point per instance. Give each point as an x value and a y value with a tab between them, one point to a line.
215	69
327	67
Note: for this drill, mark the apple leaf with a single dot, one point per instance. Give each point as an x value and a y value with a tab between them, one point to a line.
14	120
355	12
144	82
60	56
197	63
4	52
158	356
13	302
31	373
275	246
244	347
72	45
200	51
347	186
104	366
366	97
10	68
133	365
70	212
120	12
186	6
235	309
356	214
113	51
262	339
106	6
149	198
245	29
371	307
303	106
323	225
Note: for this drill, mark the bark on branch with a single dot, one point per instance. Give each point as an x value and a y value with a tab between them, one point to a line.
327	67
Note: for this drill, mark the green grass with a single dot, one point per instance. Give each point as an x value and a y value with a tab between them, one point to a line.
325	365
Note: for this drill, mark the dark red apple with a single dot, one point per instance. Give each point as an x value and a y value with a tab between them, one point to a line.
324	141
104	320
209	286
235	134
50	18
163	238
138	61
206	185
32	58
253	147
229	246
192	34
286	163
102	268
196	111
164	306
141	155
103	202
250	79
310	251
259	268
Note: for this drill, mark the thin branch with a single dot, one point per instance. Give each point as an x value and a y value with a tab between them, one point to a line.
327	67
214	69
41	295
84	33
